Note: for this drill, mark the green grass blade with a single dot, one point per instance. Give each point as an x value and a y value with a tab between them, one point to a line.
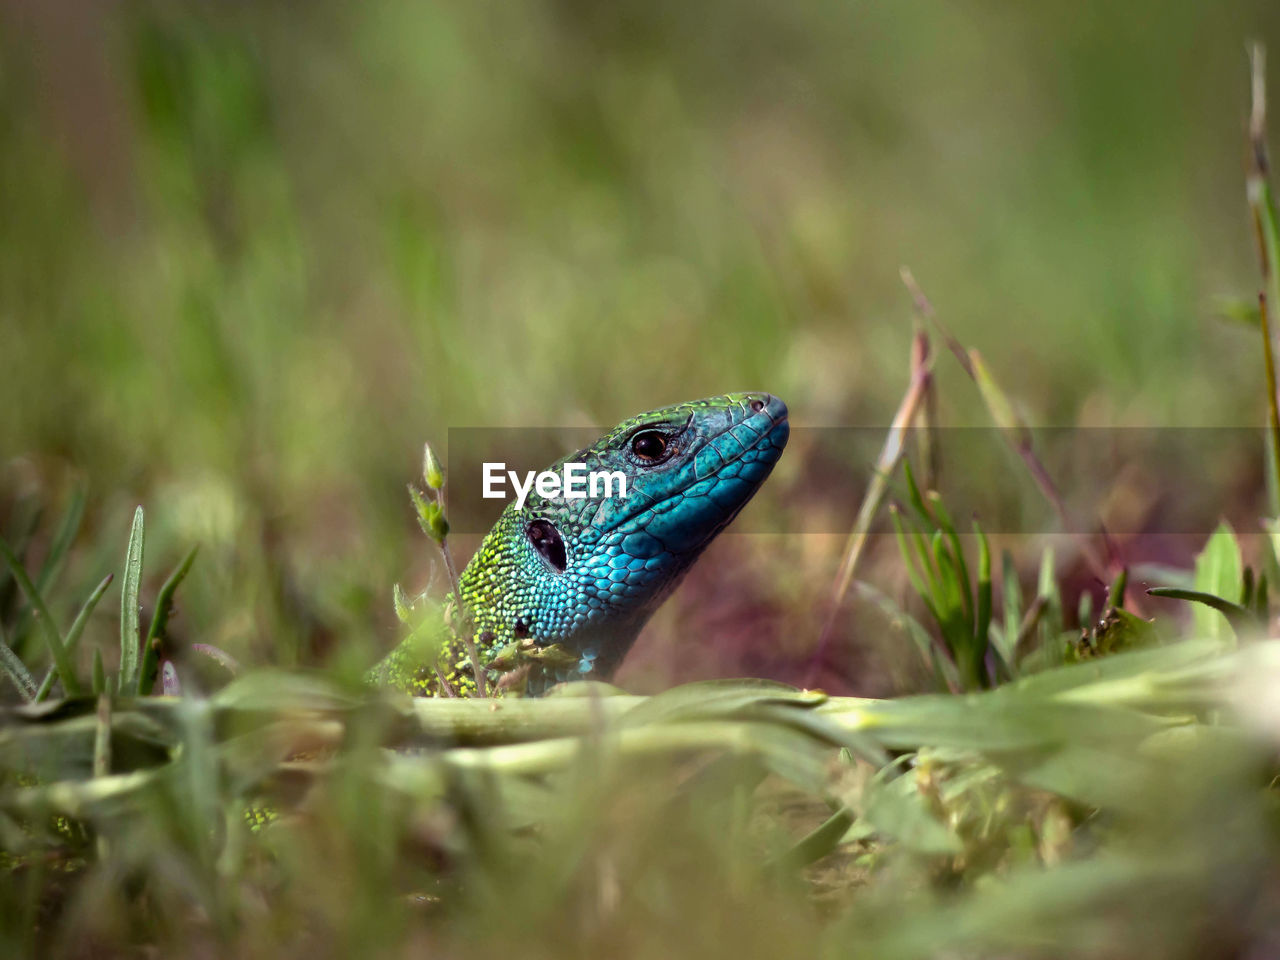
1011	601
944	669
1219	573
982	628
1047	587
22	526
1115	596
63	539
1084	609
957	552
16	670
1262	206
914	572
819	842
130	638
914	495
1237	616
950	589
1271	551
57	651
925	556
160	619
73	635
53	560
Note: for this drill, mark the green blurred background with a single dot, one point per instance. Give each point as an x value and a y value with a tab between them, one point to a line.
252	255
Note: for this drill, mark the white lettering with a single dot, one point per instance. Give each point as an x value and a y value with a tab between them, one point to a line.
493	475
575	473
521	491
575	483
608	478
548	485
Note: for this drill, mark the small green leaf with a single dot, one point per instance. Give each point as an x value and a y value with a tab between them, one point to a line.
949	590
1115	596
73	635
1084	611
432	471
1047	585
1239	618
819	842
58	548
908	557
53	639
957	553
160	620
1050	624
130	632
982	626
438	526
430	515
1219	573
1012	614
913	494
13	667
400	603
419	506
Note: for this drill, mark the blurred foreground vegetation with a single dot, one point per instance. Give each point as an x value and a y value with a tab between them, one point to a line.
1119	805
251	255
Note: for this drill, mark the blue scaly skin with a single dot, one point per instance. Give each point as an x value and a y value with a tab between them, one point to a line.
559	589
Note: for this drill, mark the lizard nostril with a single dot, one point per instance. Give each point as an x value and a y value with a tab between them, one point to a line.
757	405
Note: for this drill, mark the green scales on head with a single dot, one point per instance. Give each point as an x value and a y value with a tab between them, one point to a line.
579	577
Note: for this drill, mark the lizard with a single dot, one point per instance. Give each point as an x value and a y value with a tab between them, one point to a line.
559	588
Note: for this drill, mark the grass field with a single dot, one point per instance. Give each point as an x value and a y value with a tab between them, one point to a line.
253	256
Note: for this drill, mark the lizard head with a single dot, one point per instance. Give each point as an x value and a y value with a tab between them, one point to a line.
584	573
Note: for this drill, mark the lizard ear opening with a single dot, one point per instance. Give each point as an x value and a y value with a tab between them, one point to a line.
547	541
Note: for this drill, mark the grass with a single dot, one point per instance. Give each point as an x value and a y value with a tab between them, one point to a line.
264	330
1045	812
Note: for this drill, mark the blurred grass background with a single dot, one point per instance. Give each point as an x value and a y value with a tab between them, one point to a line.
252	255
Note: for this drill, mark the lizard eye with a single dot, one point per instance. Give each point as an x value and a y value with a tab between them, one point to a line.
547	541
649	445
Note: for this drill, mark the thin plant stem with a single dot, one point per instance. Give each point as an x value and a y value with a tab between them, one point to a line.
61	658
455	584
1262	206
73	635
1012	428
890	456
